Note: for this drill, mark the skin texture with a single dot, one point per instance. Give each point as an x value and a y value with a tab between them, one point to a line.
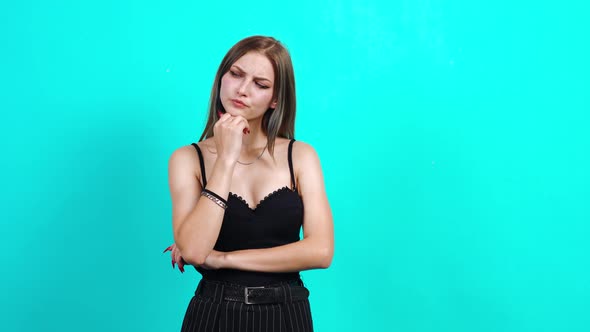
197	220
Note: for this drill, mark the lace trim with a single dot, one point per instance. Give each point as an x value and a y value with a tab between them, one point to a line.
282	189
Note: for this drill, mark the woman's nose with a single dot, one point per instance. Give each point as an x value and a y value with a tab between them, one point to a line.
242	88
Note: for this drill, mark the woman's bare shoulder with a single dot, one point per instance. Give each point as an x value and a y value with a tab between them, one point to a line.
283	143
183	158
306	161
303	150
183	152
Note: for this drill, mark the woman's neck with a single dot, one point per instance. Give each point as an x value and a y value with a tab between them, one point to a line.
255	140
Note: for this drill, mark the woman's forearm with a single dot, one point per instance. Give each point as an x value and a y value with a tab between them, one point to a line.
198	233
298	256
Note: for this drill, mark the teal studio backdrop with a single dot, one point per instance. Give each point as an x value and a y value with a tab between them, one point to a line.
453	135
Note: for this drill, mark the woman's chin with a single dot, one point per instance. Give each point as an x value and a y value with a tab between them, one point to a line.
233	111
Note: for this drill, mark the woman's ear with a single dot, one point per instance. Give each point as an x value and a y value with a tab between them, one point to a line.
273	105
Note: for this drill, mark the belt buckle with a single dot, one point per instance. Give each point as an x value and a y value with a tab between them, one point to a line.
246	300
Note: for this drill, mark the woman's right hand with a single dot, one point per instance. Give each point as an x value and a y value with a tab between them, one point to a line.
176	257
227	135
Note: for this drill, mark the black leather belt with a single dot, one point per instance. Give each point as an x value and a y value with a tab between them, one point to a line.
252	295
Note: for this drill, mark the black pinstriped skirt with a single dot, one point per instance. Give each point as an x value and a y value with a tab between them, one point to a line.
216	314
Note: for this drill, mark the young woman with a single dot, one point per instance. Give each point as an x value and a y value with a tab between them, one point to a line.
241	195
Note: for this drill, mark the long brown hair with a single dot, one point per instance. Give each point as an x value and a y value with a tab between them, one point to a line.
277	122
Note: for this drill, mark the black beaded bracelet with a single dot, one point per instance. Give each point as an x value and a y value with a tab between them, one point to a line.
215	198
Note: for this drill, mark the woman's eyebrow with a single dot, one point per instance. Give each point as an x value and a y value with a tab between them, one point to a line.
256	78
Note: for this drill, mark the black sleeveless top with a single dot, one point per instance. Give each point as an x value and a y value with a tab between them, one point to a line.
275	221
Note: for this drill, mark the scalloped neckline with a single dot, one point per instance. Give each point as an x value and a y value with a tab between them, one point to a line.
279	190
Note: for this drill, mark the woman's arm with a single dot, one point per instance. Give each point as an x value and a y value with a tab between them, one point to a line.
316	248
196	221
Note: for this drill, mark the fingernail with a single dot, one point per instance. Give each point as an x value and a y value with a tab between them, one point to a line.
181	268
219	114
169	248
173	263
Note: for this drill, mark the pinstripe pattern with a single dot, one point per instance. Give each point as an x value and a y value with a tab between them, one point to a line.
215	314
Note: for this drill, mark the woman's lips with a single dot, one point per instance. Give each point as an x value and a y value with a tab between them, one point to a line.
238	104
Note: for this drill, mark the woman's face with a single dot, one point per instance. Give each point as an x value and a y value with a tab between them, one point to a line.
247	88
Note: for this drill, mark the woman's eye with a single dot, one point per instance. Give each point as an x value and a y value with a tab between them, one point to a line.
233	73
262	86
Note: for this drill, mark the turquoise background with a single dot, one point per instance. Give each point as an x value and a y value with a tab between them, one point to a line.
453	137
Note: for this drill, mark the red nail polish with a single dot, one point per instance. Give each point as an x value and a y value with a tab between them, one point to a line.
167	249
173	262
181	268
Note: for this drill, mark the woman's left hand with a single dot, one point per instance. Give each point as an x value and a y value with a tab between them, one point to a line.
213	262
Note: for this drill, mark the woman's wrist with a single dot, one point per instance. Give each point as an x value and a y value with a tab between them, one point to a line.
214	197
225	260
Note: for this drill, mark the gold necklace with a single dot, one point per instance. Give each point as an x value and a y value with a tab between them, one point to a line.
239	162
